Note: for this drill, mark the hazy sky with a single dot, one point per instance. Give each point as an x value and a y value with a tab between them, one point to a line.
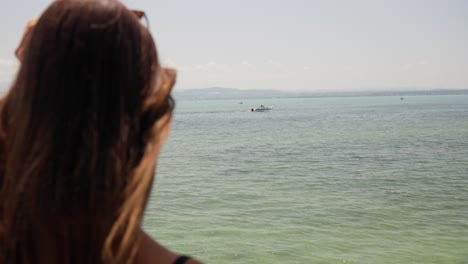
302	45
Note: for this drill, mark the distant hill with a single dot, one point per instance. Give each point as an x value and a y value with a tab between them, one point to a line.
218	93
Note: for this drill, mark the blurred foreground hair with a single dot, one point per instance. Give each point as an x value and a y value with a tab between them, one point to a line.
79	135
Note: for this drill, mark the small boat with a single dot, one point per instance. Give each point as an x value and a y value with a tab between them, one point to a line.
262	108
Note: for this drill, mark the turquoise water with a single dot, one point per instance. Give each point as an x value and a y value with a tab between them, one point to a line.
316	180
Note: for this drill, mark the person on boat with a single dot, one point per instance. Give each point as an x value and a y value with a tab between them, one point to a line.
80	132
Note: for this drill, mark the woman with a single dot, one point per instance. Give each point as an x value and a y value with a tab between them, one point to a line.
80	132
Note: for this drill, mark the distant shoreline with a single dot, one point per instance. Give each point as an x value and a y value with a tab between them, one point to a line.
237	94
218	93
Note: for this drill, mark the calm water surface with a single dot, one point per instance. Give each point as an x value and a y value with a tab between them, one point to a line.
317	180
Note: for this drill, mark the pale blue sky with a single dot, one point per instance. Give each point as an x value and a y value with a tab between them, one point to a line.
301	45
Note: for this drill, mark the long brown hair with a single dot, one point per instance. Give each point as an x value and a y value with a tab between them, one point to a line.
79	134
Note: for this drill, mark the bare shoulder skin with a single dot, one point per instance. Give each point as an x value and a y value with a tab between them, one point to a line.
152	252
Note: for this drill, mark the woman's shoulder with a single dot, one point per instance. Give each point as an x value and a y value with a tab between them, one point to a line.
152	252
186	260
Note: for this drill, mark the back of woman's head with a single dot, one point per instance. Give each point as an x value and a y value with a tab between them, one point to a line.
79	131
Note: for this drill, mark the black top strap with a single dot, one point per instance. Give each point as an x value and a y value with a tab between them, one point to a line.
181	259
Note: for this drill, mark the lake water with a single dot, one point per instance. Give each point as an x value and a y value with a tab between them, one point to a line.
316	180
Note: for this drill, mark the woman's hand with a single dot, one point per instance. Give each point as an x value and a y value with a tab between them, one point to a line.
24	40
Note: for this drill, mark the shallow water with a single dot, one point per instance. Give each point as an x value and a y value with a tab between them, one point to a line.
316	180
